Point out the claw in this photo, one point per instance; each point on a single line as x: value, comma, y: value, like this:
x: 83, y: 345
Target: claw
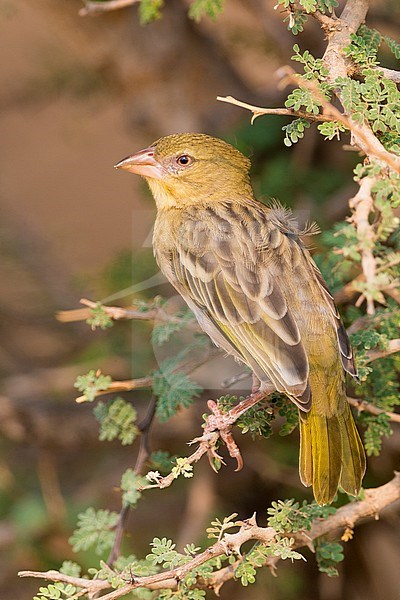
x: 219, y: 423
x: 213, y: 455
x: 233, y: 449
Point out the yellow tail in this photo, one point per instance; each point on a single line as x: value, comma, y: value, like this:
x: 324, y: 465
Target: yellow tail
x: 331, y: 451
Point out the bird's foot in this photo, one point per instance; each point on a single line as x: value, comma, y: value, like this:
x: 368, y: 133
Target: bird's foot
x: 221, y: 422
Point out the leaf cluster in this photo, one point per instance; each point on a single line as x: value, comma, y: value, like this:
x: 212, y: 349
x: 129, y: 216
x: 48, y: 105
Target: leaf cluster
x: 117, y: 420
x: 328, y: 555
x: 151, y: 10
x: 162, y: 332
x: 95, y: 530
x: 288, y: 516
x: 91, y: 383
x: 280, y: 547
x: 173, y: 388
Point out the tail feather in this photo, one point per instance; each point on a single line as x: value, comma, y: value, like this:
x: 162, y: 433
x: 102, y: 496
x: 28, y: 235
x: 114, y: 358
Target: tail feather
x: 331, y: 453
x: 353, y: 455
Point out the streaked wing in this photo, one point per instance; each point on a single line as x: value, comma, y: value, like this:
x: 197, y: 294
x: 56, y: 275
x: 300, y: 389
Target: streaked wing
x: 230, y: 262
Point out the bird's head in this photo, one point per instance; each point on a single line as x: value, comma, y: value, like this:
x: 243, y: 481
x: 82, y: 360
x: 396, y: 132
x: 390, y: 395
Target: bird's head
x: 189, y: 168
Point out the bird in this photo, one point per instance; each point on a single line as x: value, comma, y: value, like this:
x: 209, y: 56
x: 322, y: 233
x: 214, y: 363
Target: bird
x: 244, y: 271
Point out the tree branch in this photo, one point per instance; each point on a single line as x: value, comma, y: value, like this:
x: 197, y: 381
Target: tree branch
x: 353, y: 15
x: 363, y: 405
x: 389, y: 73
x: 121, y: 386
x: 258, y: 111
x: 116, y: 313
x: 346, y: 517
x: 362, y: 205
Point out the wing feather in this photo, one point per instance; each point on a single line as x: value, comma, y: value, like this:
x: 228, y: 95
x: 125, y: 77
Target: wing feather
x: 236, y: 279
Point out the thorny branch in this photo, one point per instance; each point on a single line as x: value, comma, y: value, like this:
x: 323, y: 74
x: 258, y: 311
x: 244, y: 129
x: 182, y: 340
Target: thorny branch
x: 346, y: 517
x: 362, y: 205
x: 362, y: 135
x: 258, y: 111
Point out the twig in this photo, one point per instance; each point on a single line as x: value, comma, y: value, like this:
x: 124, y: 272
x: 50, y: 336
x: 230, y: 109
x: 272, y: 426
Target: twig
x: 362, y: 205
x: 389, y: 73
x: 217, y: 425
x: 118, y: 312
x: 392, y: 347
x: 362, y: 405
x: 92, y: 7
x: 143, y: 454
x: 259, y: 111
x: 347, y: 516
x: 121, y: 386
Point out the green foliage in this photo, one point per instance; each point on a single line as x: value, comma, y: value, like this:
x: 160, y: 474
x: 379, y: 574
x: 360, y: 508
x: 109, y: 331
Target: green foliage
x: 56, y: 591
x: 377, y: 427
x: 257, y: 420
x: 201, y: 8
x: 331, y: 129
x: 314, y: 68
x: 121, y: 572
x: 302, y: 98
x: 117, y: 420
x: 161, y: 460
x: 363, y: 341
x: 150, y: 10
x: 95, y: 529
x: 379, y: 385
x: 327, y: 5
x: 288, y: 516
x: 328, y: 555
x: 294, y: 131
x: 182, y: 467
x: 393, y: 45
x: 362, y: 50
x: 163, y: 331
x: 173, y: 388
x: 131, y: 484
x: 219, y: 528
x: 70, y: 568
x: 296, y: 21
x: 91, y: 383
x: 288, y: 411
x: 376, y: 99
x: 99, y: 317
x: 163, y: 553
x: 298, y: 11
x: 259, y: 555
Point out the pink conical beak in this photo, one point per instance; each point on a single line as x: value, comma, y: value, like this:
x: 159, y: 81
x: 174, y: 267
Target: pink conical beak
x: 142, y: 163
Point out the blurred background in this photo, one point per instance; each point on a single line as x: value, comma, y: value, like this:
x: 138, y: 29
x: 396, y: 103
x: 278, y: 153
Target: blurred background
x: 77, y: 95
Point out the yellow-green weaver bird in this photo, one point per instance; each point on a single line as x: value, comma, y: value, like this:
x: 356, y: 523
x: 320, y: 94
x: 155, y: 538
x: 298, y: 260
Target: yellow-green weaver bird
x: 255, y: 290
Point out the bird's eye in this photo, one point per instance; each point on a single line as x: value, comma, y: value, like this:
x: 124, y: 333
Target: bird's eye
x: 184, y: 160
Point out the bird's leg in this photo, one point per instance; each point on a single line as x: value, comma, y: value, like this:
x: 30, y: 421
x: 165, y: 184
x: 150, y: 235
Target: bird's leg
x: 222, y: 422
